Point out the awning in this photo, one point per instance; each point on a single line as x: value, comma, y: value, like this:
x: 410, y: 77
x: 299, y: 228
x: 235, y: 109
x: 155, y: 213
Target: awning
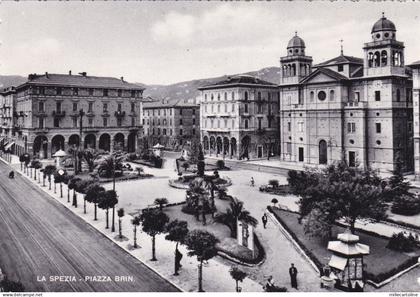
x: 9, y: 146
x: 338, y: 262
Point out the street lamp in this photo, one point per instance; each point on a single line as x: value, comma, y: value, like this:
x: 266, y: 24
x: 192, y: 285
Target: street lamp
x: 61, y: 173
x: 76, y: 157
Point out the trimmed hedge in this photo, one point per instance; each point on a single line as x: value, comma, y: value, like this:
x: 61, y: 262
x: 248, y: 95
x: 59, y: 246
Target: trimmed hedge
x: 385, y: 275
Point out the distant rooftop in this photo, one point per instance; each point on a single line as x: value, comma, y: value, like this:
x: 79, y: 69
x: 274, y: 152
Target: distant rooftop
x: 246, y: 80
x: 80, y: 80
x: 165, y: 103
x: 342, y: 59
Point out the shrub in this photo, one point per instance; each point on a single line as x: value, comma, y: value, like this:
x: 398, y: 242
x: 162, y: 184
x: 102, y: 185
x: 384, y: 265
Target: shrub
x: 131, y: 156
x: 220, y: 164
x: 406, y: 205
x: 402, y: 243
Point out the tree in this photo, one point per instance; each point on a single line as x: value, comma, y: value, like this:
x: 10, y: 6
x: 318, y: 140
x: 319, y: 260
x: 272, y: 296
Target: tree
x: 136, y: 222
x: 22, y: 159
x: 48, y: 171
x: 27, y: 161
x: 154, y: 222
x: 177, y: 231
x: 36, y: 164
x: 82, y: 187
x: 406, y: 205
x: 185, y: 166
x: 72, y: 184
x: 107, y: 199
x: 59, y: 179
x: 233, y: 214
x: 399, y: 187
x: 274, y: 201
x: 238, y: 275
x: 316, y: 225
x: 202, y: 244
x: 194, y: 152
x: 220, y: 164
x: 161, y: 202
x: 109, y: 165
x: 200, y: 164
x: 120, y: 214
x: 273, y: 183
x: 343, y: 192
x: 93, y: 195
x: 90, y: 155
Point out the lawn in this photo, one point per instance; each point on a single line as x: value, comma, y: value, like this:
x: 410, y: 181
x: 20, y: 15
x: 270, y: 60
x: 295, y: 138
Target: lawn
x: 380, y: 262
x: 222, y: 232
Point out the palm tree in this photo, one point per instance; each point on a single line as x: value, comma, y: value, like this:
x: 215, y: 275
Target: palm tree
x: 48, y: 171
x: 161, y: 202
x: 233, y: 214
x: 108, y: 199
x: 238, y: 275
x: 177, y: 231
x: 120, y: 214
x: 93, y: 194
x: 202, y: 244
x: 154, y: 222
x: 90, y: 155
x: 136, y: 222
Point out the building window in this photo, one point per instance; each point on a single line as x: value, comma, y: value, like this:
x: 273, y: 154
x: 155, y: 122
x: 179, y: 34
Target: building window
x: 58, y: 91
x: 170, y: 132
x: 193, y: 131
x: 259, y: 96
x: 180, y: 111
x: 193, y: 111
x: 75, y: 91
x: 398, y: 95
x: 41, y: 106
x: 90, y: 92
x: 357, y: 96
x: 259, y: 123
x: 119, y: 107
x: 259, y: 108
x: 180, y: 132
x: 246, y: 108
x: 58, y: 107
x: 180, y: 122
x: 143, y: 121
x: 289, y: 147
x: 226, y: 107
x: 105, y: 93
x: 377, y: 95
x: 133, y: 94
x: 74, y: 122
x: 378, y: 127
x: 158, y: 122
x: 211, y: 97
x: 41, y: 123
x: 233, y: 107
x: 119, y: 92
x: 289, y: 126
x: 311, y: 96
x: 105, y: 107
x: 246, y: 124
x: 56, y: 122
x: 218, y: 97
x: 41, y: 90
x: 233, y: 96
x: 205, y: 97
x: 225, y: 96
x: 332, y: 95
x: 158, y: 131
x: 74, y: 106
x: 246, y: 96
x: 90, y: 122
x: 218, y: 123
x: 322, y: 95
x: 193, y: 121
x: 164, y: 131
x: 105, y: 122
x: 351, y: 127
x: 90, y: 108
x: 300, y: 126
x: 340, y: 68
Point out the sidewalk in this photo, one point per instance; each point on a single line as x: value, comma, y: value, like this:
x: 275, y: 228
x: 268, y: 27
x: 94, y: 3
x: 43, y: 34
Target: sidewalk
x: 216, y: 276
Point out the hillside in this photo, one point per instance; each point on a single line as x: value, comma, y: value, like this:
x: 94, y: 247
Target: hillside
x: 188, y: 89
x: 181, y: 90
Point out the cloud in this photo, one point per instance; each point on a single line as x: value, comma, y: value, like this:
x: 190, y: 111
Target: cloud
x: 175, y: 27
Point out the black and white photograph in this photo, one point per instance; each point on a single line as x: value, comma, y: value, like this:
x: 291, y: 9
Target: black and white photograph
x: 218, y: 146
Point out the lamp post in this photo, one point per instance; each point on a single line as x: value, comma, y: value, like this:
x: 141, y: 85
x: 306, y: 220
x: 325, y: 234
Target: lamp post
x: 61, y: 173
x: 81, y: 114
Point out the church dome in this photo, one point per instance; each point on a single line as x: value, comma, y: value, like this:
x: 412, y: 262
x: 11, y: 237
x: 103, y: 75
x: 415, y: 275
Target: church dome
x: 383, y: 24
x: 296, y: 41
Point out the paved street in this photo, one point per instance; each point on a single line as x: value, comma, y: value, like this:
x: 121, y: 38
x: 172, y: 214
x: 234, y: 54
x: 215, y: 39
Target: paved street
x: 39, y: 238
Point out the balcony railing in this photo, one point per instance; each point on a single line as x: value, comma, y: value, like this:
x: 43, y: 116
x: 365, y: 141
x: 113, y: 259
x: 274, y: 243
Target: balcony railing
x: 105, y: 113
x: 119, y: 114
x: 59, y: 113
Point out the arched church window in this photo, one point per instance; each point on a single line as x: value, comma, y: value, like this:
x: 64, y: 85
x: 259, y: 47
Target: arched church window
x: 311, y: 96
x: 293, y: 69
x: 332, y: 95
x: 218, y: 97
x: 225, y: 96
x: 246, y: 95
x: 233, y: 96
x: 370, y: 59
x: 376, y: 59
x: 384, y: 58
x: 259, y: 95
x: 212, y: 97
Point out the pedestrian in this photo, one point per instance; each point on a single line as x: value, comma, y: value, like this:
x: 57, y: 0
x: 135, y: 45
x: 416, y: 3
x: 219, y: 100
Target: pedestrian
x: 252, y: 182
x: 293, y: 276
x: 264, y: 220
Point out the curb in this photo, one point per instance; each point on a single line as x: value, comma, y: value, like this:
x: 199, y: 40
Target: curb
x: 103, y: 234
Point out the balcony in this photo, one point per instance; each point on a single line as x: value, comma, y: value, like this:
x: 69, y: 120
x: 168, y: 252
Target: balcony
x: 355, y: 104
x: 119, y: 114
x: 89, y: 114
x: 105, y: 114
x: 41, y: 114
x: 59, y: 114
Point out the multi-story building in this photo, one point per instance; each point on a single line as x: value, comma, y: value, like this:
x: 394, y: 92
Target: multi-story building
x: 416, y: 116
x: 239, y: 118
x: 8, y: 128
x: 171, y: 124
x: 357, y: 110
x: 57, y: 111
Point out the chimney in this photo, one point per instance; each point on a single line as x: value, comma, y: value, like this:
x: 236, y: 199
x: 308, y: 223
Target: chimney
x: 83, y: 73
x: 122, y: 78
x: 46, y: 74
x: 69, y: 72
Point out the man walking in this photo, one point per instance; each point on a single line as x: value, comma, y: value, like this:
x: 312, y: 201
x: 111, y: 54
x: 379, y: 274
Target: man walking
x: 264, y: 220
x: 293, y: 276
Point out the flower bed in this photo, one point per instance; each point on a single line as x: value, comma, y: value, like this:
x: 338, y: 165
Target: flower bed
x: 382, y: 262
x: 281, y: 190
x: 184, y: 181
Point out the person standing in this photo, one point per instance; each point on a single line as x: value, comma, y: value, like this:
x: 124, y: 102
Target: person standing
x: 252, y: 181
x: 264, y: 220
x: 293, y: 276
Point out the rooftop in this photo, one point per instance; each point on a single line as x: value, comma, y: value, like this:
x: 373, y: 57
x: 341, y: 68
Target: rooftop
x: 81, y: 80
x: 342, y: 59
x: 239, y: 80
x: 168, y: 103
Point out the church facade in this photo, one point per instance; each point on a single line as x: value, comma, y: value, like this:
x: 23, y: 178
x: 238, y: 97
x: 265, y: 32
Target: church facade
x: 354, y: 109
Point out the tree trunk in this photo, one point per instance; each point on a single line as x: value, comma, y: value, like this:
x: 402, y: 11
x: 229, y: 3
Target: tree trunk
x: 39, y: 177
x: 74, y: 198
x: 35, y: 174
x: 21, y: 166
x: 113, y: 219
x: 119, y: 227
x: 200, y: 276
x: 61, y: 190
x: 95, y: 218
x: 31, y: 172
x: 154, y: 248
x: 107, y: 223
x: 176, y: 249
x: 55, y: 187
x: 43, y: 181
x: 135, y: 237
x: 84, y: 204
x: 237, y: 286
x: 68, y: 194
x: 49, y: 183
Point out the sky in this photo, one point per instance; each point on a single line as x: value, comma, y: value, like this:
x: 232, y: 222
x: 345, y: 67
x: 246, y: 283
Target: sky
x: 168, y: 42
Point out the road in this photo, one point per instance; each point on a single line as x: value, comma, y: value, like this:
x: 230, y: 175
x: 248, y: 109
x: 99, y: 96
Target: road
x: 41, y: 238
